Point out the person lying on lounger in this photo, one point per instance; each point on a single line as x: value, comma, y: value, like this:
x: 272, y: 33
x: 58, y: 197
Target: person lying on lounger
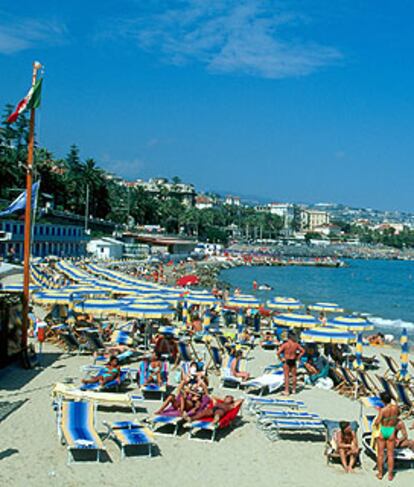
x: 347, y: 446
x: 109, y: 373
x: 154, y: 371
x: 218, y: 409
x: 269, y: 338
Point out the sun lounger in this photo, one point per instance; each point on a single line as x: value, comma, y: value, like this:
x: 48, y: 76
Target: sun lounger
x: 164, y: 424
x: 392, y: 366
x: 265, y: 383
x: 254, y: 403
x: 71, y: 342
x: 296, y: 426
x: 130, y: 435
x: 266, y: 419
x: 76, y: 428
x: 152, y: 391
x: 210, y: 426
x: 113, y: 385
x: 402, y: 456
x: 405, y: 398
x: 63, y: 391
x: 388, y: 387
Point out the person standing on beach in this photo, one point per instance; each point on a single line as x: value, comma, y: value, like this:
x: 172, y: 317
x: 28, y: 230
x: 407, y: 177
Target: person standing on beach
x: 289, y: 353
x: 387, y: 421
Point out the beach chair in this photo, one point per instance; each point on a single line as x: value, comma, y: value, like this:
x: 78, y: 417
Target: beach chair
x: 126, y: 400
x: 70, y: 341
x: 166, y: 424
x: 270, y: 383
x: 208, y: 425
x: 387, y: 386
x: 367, y: 384
x: 351, y: 383
x: 266, y: 417
x: 152, y: 391
x: 114, y: 385
x: 255, y: 403
x: 216, y: 359
x: 228, y: 380
x: 76, y: 429
x: 392, y: 366
x: 405, y: 399
x: 331, y: 447
x: 296, y: 426
x: 187, y: 352
x: 93, y: 339
x: 130, y: 435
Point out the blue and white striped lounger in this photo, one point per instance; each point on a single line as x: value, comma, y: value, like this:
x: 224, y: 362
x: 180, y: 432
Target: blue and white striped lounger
x: 255, y: 402
x: 294, y: 426
x: 76, y: 426
x: 130, y: 434
x: 161, y: 421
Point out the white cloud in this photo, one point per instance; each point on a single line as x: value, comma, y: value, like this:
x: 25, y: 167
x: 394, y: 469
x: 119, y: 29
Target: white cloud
x: 248, y: 36
x: 18, y: 34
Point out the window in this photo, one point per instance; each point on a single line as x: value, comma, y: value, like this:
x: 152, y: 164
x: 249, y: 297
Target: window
x: 40, y: 230
x: 58, y: 232
x: 14, y: 228
x: 63, y: 232
x: 46, y: 230
x: 7, y: 227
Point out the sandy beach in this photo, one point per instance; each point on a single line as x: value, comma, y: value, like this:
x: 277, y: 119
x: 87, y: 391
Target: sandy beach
x: 30, y: 453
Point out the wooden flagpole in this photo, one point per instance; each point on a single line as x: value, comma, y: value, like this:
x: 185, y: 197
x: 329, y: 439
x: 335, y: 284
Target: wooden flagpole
x: 27, y: 219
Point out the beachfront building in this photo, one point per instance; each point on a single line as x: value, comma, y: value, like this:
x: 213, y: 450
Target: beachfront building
x: 105, y: 248
x: 284, y: 210
x: 162, y: 187
x: 311, y: 219
x: 203, y: 202
x: 390, y: 227
x: 232, y: 200
x: 48, y: 239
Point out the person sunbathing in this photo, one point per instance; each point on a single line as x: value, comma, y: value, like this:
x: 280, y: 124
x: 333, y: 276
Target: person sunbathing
x: 269, y: 338
x: 174, y: 402
x: 347, y: 446
x: 403, y: 441
x: 109, y: 373
x: 235, y: 366
x: 218, y: 408
x: 154, y: 371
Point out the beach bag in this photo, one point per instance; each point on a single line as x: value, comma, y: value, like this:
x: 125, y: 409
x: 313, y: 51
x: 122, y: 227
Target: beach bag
x: 324, y: 383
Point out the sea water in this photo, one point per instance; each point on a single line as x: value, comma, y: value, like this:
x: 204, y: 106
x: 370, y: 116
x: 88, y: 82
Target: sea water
x: 384, y: 290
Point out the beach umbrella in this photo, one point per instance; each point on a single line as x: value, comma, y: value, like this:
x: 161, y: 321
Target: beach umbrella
x: 136, y: 311
x: 284, y: 303
x: 403, y: 374
x: 358, y: 352
x: 202, y: 299
x: 351, y: 323
x: 326, y: 334
x: 326, y: 307
x: 296, y: 320
x: 243, y: 301
x: 98, y: 306
x: 52, y: 297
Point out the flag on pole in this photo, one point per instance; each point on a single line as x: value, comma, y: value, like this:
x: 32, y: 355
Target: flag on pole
x: 31, y: 100
x: 19, y: 204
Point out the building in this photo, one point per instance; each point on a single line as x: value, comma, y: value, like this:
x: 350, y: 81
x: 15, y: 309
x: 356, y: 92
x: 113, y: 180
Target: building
x: 284, y: 210
x: 158, y: 187
x: 48, y: 239
x: 385, y: 227
x: 232, y: 200
x: 106, y: 248
x: 311, y: 219
x: 203, y: 202
x: 163, y: 245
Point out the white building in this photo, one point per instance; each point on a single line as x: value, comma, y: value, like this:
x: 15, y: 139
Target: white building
x: 105, y: 248
x: 203, y: 202
x: 284, y: 210
x: 232, y: 200
x: 311, y: 219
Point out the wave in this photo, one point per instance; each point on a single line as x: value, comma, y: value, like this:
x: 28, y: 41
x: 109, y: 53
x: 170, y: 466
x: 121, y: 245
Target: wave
x: 388, y: 323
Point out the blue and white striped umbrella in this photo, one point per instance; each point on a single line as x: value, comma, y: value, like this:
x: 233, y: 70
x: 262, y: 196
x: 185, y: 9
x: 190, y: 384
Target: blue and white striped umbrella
x: 284, y: 303
x: 403, y: 375
x: 358, y: 352
x: 326, y: 307
x: 326, y: 334
x: 136, y: 311
x: 243, y: 301
x: 351, y: 323
x: 293, y: 320
x: 202, y: 299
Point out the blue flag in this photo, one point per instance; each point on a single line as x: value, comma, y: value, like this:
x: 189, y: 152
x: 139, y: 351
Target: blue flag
x: 19, y: 204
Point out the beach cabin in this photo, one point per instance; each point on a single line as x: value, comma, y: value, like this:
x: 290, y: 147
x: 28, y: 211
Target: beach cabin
x: 105, y: 248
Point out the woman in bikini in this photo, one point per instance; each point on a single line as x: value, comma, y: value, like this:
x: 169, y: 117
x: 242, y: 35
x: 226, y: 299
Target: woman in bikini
x: 154, y: 371
x: 387, y: 420
x: 109, y: 373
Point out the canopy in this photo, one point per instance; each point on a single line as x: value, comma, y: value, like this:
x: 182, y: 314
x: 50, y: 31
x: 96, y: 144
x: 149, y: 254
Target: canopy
x: 327, y: 307
x: 296, y: 320
x: 98, y: 306
x: 326, y: 334
x: 206, y: 299
x: 351, y: 323
x: 404, y: 355
x: 136, y: 311
x: 284, y: 303
x: 243, y: 301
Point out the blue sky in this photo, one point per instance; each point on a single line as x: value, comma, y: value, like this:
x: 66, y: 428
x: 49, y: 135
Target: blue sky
x: 308, y: 100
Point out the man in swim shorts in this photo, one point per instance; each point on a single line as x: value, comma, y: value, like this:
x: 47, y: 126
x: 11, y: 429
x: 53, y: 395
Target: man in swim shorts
x: 289, y: 353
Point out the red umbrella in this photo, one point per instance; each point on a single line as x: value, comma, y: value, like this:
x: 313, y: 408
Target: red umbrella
x: 188, y: 280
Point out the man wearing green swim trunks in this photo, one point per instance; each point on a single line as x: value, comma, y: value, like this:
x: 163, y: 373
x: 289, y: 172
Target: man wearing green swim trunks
x: 387, y: 420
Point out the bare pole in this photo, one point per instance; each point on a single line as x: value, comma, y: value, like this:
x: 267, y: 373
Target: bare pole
x: 27, y: 218
x: 87, y: 209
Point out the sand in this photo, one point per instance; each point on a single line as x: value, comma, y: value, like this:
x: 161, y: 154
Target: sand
x: 31, y: 454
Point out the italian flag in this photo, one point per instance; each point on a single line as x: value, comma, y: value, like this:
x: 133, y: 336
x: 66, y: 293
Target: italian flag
x: 31, y: 100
